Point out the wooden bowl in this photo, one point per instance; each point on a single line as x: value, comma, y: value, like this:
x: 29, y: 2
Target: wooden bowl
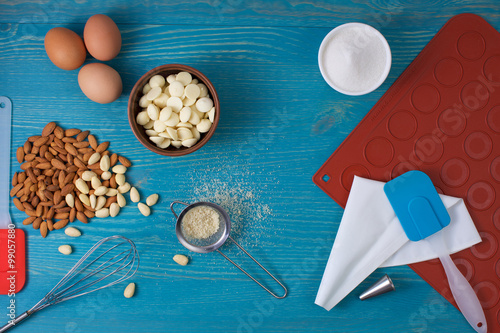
x: 134, y: 109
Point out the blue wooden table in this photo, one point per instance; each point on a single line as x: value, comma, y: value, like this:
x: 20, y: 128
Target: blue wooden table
x: 279, y: 122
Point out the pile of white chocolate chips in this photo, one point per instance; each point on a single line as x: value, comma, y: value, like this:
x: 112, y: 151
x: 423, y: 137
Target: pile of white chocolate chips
x: 175, y: 110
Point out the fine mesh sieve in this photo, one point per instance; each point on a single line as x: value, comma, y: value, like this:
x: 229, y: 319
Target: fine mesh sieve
x: 215, y: 241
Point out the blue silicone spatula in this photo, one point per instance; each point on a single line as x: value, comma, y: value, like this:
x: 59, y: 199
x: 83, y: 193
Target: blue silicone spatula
x: 422, y: 214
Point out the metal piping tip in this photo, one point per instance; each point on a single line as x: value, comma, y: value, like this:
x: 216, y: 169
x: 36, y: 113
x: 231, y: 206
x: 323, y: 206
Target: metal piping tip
x: 383, y: 285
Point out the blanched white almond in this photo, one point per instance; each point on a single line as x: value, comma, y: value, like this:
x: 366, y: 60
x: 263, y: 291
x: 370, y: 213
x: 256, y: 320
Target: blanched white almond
x: 120, y: 199
x: 82, y: 186
x: 95, y: 182
x: 84, y: 199
x: 70, y: 200
x: 103, y: 212
x: 88, y: 175
x: 119, y: 169
x: 124, y: 188
x: 65, y: 249
x: 106, y: 175
x: 93, y: 201
x: 120, y: 179
x: 105, y: 163
x: 101, y: 190
x: 181, y: 259
x: 129, y: 290
x: 144, y: 209
x: 72, y: 232
x: 134, y: 195
x: 94, y: 158
x: 152, y: 200
x: 101, y: 201
x: 111, y: 192
x: 114, y: 209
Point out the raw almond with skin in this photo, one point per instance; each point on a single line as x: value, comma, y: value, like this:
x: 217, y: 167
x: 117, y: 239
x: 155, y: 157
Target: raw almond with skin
x: 20, y: 154
x: 125, y: 161
x: 49, y: 128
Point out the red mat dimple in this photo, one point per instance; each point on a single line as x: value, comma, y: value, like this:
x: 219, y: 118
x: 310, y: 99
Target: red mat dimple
x: 441, y: 116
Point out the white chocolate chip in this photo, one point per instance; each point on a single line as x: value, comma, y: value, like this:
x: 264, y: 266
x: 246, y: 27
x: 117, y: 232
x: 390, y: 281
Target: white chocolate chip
x: 185, y: 114
x: 204, y: 104
x: 65, y: 249
x: 186, y: 125
x: 153, y: 93
x: 144, y: 102
x: 144, y: 209
x: 142, y: 119
x: 194, y: 119
x: 173, y: 120
x: 192, y: 91
x: 149, y: 125
x: 151, y: 133
x: 175, y: 103
x: 184, y: 77
x: 164, y: 144
x: 159, y: 126
x: 72, y: 232
x: 156, y: 139
x: 176, y: 89
x: 184, y: 134
x: 176, y: 143
x: 161, y: 101
x: 203, y: 90
x: 196, y: 133
x: 211, y: 114
x: 146, y: 88
x: 189, y: 142
x: 171, y: 78
x: 165, y: 113
x: 157, y: 81
x: 153, y: 112
x: 204, y: 126
x: 172, y: 132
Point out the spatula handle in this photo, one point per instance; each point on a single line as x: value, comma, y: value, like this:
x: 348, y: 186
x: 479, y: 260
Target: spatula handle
x: 464, y: 295
x: 5, y: 123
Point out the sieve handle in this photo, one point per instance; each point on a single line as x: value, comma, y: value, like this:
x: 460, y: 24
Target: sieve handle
x: 250, y: 276
x: 172, y: 207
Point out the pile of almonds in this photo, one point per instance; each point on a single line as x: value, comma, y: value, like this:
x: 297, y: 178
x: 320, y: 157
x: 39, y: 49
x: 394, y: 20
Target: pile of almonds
x: 66, y: 176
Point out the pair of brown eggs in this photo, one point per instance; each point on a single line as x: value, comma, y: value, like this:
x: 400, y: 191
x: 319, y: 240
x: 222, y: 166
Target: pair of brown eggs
x: 102, y: 39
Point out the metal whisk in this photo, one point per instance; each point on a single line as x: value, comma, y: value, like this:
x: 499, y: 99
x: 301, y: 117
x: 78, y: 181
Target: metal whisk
x: 110, y: 261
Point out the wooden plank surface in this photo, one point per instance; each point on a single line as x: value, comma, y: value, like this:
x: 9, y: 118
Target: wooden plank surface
x: 279, y: 122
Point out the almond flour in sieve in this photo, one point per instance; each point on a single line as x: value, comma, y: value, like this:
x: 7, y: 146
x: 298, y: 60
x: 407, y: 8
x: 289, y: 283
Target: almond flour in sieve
x: 201, y: 222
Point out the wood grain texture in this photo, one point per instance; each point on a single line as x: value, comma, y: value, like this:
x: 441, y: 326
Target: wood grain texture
x: 279, y: 122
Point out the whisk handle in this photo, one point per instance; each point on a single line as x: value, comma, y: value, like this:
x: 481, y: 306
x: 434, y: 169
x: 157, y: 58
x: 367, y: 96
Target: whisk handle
x: 14, y: 322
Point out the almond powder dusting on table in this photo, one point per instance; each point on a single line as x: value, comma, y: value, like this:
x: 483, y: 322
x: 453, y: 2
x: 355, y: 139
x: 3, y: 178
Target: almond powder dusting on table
x: 201, y: 222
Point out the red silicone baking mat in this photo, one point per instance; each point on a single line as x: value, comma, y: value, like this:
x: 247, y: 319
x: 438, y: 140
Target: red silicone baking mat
x: 441, y: 116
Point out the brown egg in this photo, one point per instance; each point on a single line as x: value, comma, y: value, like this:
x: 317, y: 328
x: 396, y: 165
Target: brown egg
x: 102, y: 37
x: 65, y: 48
x: 100, y: 83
